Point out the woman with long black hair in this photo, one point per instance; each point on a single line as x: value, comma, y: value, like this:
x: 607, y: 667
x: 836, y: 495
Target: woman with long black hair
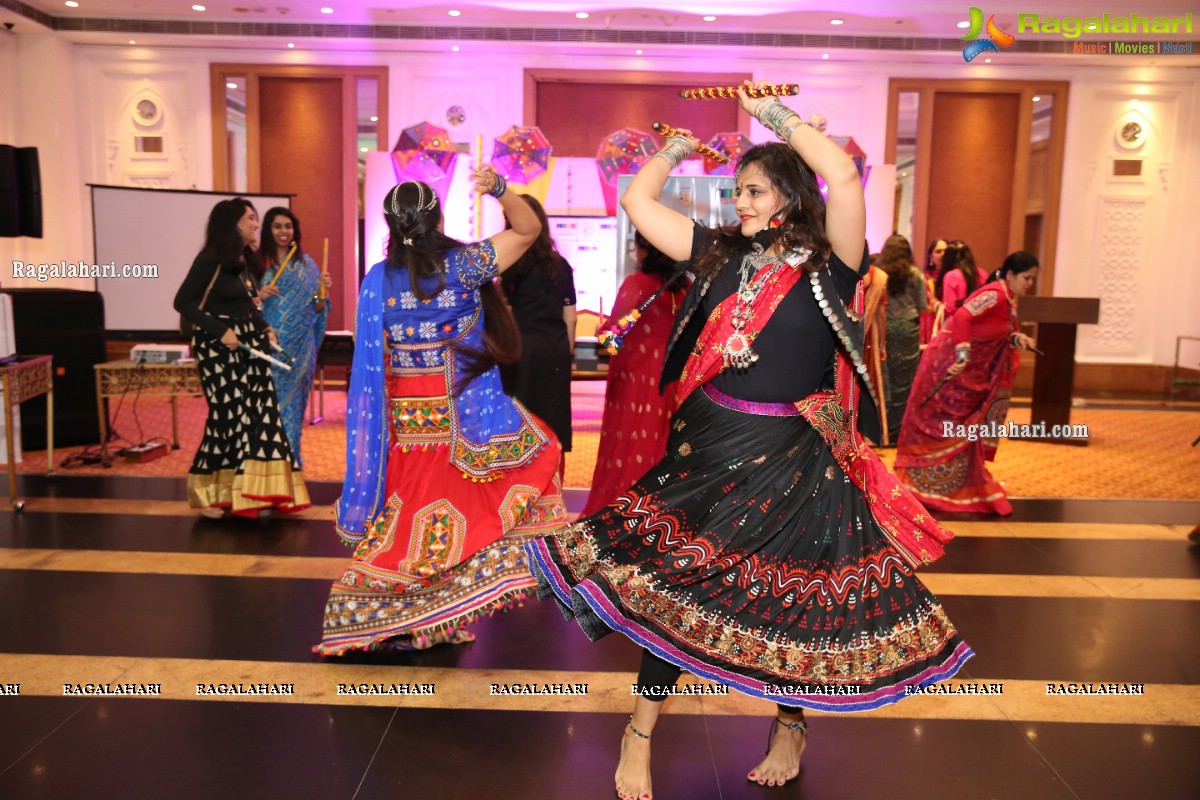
x: 244, y: 464
x: 446, y: 476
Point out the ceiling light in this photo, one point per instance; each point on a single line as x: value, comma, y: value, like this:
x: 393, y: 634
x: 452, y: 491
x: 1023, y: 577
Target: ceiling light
x: 374, y: 119
x: 1036, y: 99
x: 987, y: 61
x: 710, y: 18
x: 326, y: 10
x: 964, y: 24
x: 133, y: 41
x: 231, y: 86
x: 454, y: 48
x: 362, y: 149
x: 581, y: 15
x: 837, y: 22
x: 197, y: 8
x: 454, y: 12
x: 291, y: 44
x: 825, y: 55
x: 71, y: 4
x: 637, y: 52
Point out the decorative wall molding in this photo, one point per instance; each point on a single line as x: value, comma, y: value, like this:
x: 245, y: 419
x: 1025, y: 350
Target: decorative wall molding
x: 1120, y: 242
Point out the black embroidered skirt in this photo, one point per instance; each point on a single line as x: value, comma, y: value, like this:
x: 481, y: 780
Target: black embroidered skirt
x: 746, y: 556
x: 245, y: 462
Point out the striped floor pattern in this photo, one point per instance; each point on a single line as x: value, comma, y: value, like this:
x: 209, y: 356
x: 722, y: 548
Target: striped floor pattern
x: 127, y: 620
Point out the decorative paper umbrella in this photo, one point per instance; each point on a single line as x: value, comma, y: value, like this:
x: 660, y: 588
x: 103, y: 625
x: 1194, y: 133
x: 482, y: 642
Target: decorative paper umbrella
x: 732, y: 145
x: 424, y: 152
x: 521, y: 154
x: 623, y: 152
x: 856, y: 153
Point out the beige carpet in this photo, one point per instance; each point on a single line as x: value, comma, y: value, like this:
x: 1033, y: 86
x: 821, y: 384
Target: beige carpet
x: 1131, y: 454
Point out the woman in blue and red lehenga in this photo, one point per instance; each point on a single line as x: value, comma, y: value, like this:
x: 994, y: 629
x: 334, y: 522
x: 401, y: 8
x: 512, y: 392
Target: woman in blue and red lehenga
x: 770, y: 550
x: 447, y: 477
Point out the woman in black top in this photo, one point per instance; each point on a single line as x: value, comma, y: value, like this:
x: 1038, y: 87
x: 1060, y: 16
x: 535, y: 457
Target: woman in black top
x: 541, y: 290
x: 769, y: 550
x: 244, y: 464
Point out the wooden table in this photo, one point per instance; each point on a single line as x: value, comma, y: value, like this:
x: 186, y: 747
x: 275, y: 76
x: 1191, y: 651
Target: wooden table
x: 118, y: 378
x: 23, y: 379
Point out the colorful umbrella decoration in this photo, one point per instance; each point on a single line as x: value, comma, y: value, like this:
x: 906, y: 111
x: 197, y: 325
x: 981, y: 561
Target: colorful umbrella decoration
x: 732, y: 145
x: 521, y: 154
x: 622, y: 152
x: 424, y: 152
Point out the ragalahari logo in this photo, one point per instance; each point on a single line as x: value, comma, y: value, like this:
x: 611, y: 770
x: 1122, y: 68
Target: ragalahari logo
x: 996, y: 36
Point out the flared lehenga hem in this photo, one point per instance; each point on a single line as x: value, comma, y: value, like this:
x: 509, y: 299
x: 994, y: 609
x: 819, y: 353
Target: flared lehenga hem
x: 597, y: 614
x: 257, y: 486
x: 747, y: 556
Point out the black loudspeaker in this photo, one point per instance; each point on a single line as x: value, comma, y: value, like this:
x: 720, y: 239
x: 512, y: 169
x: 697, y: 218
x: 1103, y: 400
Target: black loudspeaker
x: 29, y: 185
x: 68, y: 325
x: 10, y: 194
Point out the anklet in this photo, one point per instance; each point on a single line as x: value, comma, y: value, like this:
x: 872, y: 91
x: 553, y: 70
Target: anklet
x: 638, y: 733
x: 801, y: 726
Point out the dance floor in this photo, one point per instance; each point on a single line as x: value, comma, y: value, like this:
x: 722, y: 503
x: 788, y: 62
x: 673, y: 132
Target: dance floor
x: 110, y: 580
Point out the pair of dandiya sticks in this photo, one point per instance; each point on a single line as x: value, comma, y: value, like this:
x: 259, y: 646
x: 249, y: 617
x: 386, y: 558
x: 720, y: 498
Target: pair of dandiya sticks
x: 725, y: 93
x: 287, y: 262
x: 612, y: 338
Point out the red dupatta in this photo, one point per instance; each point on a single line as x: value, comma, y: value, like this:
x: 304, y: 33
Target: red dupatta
x: 906, y: 523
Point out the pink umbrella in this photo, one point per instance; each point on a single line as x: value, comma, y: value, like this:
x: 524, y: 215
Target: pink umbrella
x: 424, y: 152
x: 732, y: 145
x: 521, y: 154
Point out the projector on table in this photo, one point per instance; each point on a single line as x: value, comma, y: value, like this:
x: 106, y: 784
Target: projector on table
x: 158, y: 353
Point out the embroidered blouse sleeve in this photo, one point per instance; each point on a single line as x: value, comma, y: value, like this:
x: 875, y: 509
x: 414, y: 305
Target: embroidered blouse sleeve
x: 476, y: 263
x: 974, y: 309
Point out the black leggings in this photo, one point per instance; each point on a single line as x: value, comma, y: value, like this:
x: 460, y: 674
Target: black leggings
x: 656, y: 677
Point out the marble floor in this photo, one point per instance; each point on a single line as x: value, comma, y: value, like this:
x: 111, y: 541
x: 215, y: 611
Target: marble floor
x: 113, y: 581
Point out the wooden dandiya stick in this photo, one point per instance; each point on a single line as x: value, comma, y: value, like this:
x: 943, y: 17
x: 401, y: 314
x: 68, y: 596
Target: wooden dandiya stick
x: 324, y: 270
x: 478, y: 196
x: 722, y: 92
x: 702, y: 149
x: 283, y: 266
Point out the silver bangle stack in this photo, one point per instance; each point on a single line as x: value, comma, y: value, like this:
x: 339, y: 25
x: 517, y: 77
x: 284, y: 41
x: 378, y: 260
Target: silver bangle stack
x: 780, y: 119
x: 674, y: 151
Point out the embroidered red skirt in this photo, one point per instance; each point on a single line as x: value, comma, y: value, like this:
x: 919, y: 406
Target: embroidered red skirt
x: 748, y: 557
x: 446, y: 549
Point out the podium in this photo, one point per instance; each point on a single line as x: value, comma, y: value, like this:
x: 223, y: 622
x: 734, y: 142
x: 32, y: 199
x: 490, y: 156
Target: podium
x: 1054, y: 372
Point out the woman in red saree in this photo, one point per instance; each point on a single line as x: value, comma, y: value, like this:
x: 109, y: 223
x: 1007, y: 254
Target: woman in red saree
x: 965, y: 379
x: 637, y: 417
x: 770, y: 550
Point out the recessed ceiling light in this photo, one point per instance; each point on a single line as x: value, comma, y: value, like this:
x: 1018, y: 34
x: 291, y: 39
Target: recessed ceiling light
x: 326, y: 10
x: 837, y: 22
x: 987, y: 61
x: 231, y: 85
x: 454, y: 48
x: 825, y: 55
x: 1037, y: 99
x: 362, y: 149
x: 374, y: 119
x: 133, y: 41
x: 291, y: 44
x: 710, y: 18
x: 964, y: 24
x: 71, y: 4
x: 581, y: 15
x: 454, y: 12
x: 198, y: 8
x: 637, y: 52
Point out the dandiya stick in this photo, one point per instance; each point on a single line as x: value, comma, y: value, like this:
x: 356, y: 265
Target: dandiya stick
x: 722, y: 92
x: 478, y: 197
x: 702, y: 149
x: 287, y: 261
x: 324, y: 270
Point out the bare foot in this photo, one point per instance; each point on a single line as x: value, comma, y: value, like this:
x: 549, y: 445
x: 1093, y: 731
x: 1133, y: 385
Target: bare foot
x: 782, y: 763
x: 633, y: 770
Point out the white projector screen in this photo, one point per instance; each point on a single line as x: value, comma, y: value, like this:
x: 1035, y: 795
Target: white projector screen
x: 164, y: 227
